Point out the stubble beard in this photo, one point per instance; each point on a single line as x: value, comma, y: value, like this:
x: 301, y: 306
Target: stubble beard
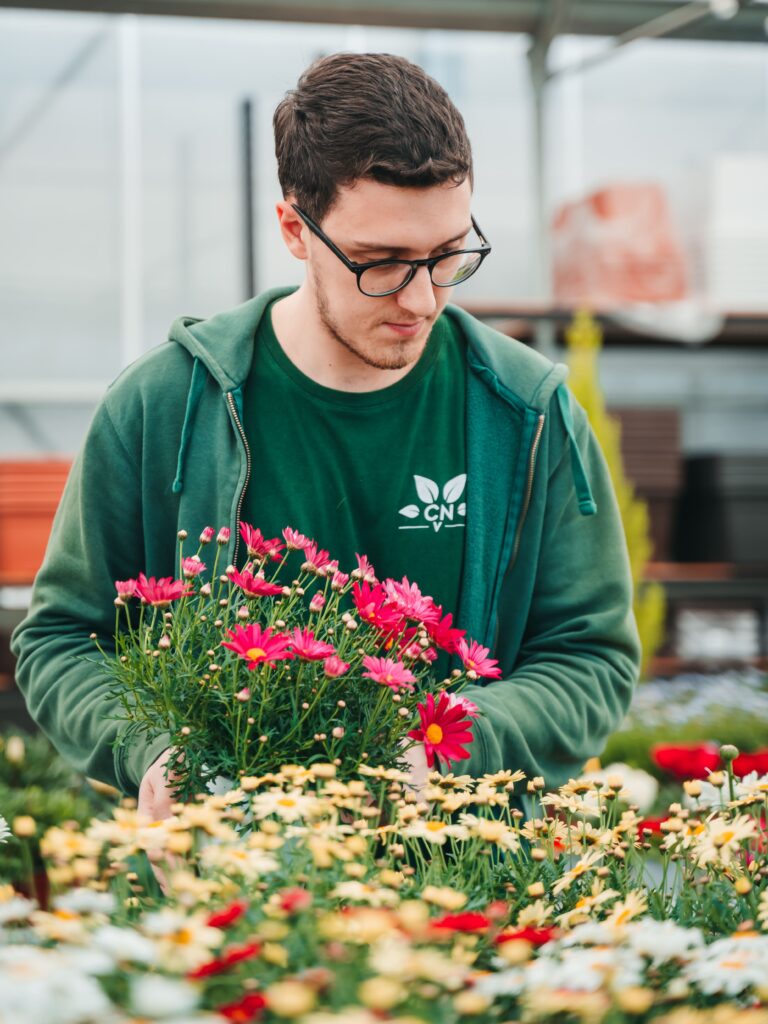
x: 396, y: 357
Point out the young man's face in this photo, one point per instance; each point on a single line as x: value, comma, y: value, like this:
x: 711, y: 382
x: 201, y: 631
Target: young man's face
x: 371, y: 221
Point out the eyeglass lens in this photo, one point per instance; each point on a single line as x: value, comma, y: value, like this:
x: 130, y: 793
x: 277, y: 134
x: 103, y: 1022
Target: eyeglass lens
x: 390, y: 276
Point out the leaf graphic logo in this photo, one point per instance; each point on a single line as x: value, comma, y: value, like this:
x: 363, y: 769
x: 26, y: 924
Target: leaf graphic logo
x: 436, y: 510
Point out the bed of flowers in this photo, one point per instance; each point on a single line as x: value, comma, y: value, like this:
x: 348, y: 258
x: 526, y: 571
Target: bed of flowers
x: 299, y: 896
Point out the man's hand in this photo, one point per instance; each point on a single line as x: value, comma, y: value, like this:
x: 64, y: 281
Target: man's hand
x: 417, y: 761
x: 156, y: 793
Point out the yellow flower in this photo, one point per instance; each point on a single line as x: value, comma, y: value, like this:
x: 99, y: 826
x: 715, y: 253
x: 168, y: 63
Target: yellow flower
x: 470, y: 1003
x: 624, y: 910
x: 24, y: 826
x: 381, y: 993
x: 290, y: 998
x: 274, y: 953
x: 435, y: 831
x: 448, y: 899
x: 587, y: 863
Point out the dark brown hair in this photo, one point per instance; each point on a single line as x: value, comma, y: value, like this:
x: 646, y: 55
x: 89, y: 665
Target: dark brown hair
x: 366, y: 115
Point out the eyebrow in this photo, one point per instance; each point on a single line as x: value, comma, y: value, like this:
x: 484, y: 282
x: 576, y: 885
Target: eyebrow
x: 379, y: 247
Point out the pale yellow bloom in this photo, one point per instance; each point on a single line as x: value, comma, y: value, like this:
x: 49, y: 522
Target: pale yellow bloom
x: 448, y: 899
x: 290, y: 998
x: 434, y: 831
x: 588, y: 862
x: 359, y: 892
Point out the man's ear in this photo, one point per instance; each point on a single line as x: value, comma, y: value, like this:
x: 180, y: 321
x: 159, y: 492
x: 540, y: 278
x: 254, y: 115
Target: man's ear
x: 292, y: 228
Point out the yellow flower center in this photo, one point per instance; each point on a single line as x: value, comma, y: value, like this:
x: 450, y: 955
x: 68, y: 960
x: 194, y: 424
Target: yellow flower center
x: 286, y: 802
x: 183, y: 937
x: 435, y: 826
x: 434, y: 733
x: 254, y: 653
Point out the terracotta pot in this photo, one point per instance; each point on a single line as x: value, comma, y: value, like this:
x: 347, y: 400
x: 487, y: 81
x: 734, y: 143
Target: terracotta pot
x: 30, y: 492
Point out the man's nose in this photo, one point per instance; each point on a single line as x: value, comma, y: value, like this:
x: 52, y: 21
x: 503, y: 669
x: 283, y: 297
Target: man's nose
x: 418, y: 296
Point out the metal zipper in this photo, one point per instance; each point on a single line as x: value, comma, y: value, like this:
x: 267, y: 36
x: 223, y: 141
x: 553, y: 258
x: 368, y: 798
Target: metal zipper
x: 244, y: 439
x: 529, y: 488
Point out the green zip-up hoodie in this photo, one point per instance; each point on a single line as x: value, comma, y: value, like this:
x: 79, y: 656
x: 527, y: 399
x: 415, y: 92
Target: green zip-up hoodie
x: 546, y: 581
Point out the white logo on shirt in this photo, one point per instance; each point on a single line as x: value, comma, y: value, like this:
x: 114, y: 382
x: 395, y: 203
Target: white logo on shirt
x: 436, y: 512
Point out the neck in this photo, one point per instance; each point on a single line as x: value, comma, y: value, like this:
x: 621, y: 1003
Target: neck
x: 316, y: 351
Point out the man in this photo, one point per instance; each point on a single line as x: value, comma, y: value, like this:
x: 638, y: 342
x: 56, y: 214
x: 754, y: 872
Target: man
x: 367, y: 413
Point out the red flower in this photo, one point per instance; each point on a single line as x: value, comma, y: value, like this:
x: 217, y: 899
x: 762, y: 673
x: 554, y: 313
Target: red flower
x: 443, y: 730
x: 160, y: 592
x: 244, y: 1010
x: 304, y: 645
x: 687, y: 760
x: 475, y: 659
x: 536, y: 936
x: 234, y: 955
x: 389, y: 672
x: 442, y: 633
x: 652, y: 825
x: 294, y: 900
x: 754, y: 762
x: 257, y: 646
x: 258, y: 546
x: 372, y: 607
x: 192, y: 567
x: 469, y: 921
x: 227, y: 916
x: 254, y: 585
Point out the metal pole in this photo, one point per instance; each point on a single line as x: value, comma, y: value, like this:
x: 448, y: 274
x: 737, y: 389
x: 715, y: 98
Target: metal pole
x: 131, y: 270
x: 249, y: 220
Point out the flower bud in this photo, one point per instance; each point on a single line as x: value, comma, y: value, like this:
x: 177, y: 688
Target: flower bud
x: 24, y: 826
x: 728, y: 752
x: 692, y: 787
x: 164, y: 642
x: 14, y: 749
x: 207, y: 535
x: 716, y: 779
x: 223, y: 536
x: 182, y: 534
x: 535, y: 890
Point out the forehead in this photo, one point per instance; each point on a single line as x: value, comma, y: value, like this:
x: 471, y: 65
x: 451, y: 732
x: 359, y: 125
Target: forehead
x: 389, y: 215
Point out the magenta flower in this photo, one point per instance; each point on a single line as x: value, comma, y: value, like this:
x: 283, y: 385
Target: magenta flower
x: 258, y: 546
x: 364, y: 570
x: 317, y: 603
x: 192, y: 567
x: 372, y: 607
x: 335, y: 667
x: 254, y: 585
x: 409, y: 599
x: 318, y: 561
x: 223, y: 535
x: 160, y: 592
x: 207, y: 535
x: 304, y: 646
x: 443, y: 633
x: 444, y: 730
x: 257, y: 646
x: 125, y: 588
x: 294, y: 540
x: 340, y: 580
x: 475, y: 659
x: 389, y: 672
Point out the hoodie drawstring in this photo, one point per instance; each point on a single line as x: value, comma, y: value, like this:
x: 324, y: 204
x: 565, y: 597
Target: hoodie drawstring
x: 196, y: 386
x: 587, y: 505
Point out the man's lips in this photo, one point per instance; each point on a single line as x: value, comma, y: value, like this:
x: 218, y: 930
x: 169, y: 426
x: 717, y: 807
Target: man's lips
x: 406, y: 330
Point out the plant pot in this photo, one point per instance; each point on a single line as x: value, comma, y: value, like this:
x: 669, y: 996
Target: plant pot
x: 30, y: 492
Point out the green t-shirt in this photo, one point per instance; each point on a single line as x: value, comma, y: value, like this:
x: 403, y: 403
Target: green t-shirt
x: 380, y: 473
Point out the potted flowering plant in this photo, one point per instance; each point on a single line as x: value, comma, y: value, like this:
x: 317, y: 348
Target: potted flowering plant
x: 247, y: 670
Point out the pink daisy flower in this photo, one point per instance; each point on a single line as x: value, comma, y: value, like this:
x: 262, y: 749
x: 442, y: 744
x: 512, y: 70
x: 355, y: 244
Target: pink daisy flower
x: 444, y: 730
x: 160, y: 592
x: 125, y: 588
x: 304, y: 646
x: 192, y: 567
x: 475, y: 659
x: 335, y: 667
x: 389, y: 672
x: 340, y: 580
x: 409, y: 599
x: 364, y: 570
x: 455, y: 700
x: 254, y: 585
x: 258, y: 546
x: 318, y: 561
x: 294, y: 540
x: 257, y: 646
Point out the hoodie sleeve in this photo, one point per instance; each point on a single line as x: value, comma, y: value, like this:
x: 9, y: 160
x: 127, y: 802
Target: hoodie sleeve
x: 96, y: 535
x: 579, y: 655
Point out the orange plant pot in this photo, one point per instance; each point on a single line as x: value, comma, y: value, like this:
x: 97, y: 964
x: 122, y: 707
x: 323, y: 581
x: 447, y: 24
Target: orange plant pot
x: 30, y: 492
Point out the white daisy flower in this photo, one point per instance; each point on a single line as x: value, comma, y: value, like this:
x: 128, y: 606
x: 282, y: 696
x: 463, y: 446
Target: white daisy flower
x: 153, y: 995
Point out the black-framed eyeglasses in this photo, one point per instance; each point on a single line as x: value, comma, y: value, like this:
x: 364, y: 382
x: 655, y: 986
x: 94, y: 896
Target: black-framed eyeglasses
x: 385, y: 277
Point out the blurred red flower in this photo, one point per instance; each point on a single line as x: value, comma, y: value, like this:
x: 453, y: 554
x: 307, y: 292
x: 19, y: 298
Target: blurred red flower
x: 687, y: 760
